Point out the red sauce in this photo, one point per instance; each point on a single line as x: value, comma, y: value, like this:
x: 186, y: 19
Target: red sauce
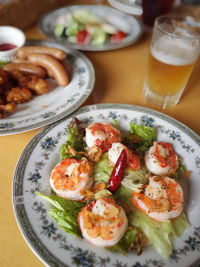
x: 7, y: 46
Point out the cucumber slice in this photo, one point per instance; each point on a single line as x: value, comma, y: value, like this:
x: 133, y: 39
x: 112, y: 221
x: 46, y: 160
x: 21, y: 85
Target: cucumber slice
x: 59, y: 30
x: 99, y: 37
x: 72, y: 29
x: 84, y: 16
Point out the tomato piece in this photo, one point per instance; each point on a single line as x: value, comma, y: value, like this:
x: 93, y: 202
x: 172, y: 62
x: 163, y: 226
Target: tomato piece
x: 118, y: 36
x: 82, y: 36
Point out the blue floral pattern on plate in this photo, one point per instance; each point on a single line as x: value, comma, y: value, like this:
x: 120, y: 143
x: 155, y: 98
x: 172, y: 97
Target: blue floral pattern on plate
x: 55, y: 247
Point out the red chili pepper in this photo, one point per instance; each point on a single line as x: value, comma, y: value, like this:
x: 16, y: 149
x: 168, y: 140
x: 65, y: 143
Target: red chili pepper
x: 118, y: 172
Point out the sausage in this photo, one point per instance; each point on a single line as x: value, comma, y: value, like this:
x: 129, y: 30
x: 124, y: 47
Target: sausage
x: 51, y: 64
x: 18, y: 60
x: 27, y: 68
x: 23, y: 52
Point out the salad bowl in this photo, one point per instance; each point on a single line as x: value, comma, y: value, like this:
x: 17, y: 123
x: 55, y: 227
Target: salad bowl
x: 55, y: 247
x: 96, y: 14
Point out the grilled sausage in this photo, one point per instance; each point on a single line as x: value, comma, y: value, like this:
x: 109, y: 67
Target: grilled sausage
x: 18, y: 60
x: 51, y: 64
x: 55, y: 52
x: 27, y: 68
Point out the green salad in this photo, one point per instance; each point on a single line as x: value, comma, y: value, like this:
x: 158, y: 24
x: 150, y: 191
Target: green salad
x: 108, y: 190
x: 81, y: 26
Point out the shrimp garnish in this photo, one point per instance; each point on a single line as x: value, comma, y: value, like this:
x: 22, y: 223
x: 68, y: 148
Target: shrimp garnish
x: 162, y: 198
x: 102, y: 135
x: 71, y: 176
x: 161, y: 159
x: 103, y: 222
x: 114, y: 152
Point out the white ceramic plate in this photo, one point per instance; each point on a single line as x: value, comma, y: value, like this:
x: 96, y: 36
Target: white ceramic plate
x: 59, y: 101
x: 56, y: 248
x: 115, y: 17
x: 132, y: 7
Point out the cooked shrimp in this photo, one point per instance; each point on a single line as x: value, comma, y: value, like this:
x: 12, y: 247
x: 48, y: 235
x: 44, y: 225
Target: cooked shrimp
x: 102, y: 135
x: 162, y: 199
x: 115, y: 151
x: 71, y: 176
x: 102, y: 222
x: 161, y: 159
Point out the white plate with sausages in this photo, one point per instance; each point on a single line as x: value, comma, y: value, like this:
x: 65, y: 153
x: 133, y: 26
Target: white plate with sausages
x: 63, y: 97
x: 122, y: 21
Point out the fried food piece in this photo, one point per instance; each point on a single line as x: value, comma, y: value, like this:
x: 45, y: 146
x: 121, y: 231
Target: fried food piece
x: 5, y: 87
x: 2, y: 99
x: 18, y: 95
x: 36, y: 84
x: 4, y: 76
x: 7, y: 109
x: 16, y: 74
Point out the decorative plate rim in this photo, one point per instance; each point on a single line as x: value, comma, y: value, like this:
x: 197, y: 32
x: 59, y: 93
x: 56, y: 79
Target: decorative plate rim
x: 47, y: 256
x: 63, y: 114
x: 106, y: 47
x: 133, y: 8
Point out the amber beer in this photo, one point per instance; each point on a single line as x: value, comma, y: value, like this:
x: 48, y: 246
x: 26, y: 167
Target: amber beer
x: 174, y: 50
x: 170, y: 64
x: 167, y: 79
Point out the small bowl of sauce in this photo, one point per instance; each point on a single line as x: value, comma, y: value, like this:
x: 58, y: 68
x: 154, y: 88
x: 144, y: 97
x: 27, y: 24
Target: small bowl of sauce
x: 7, y: 47
x: 11, y: 39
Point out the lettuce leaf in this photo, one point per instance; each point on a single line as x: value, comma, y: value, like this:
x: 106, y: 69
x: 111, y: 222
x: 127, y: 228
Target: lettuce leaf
x: 146, y: 134
x: 125, y: 244
x: 132, y: 178
x: 64, y: 212
x: 159, y: 234
x: 75, y: 139
x: 102, y: 169
x: 64, y: 221
x: 135, y: 179
x: 3, y: 63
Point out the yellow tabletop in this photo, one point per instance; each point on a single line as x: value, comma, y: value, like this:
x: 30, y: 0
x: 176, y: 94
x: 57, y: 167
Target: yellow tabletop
x: 119, y: 79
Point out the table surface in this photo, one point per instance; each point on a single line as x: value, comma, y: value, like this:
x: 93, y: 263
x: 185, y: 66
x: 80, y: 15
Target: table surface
x: 119, y: 79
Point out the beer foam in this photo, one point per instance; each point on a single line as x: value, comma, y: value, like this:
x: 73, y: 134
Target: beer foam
x: 174, y: 51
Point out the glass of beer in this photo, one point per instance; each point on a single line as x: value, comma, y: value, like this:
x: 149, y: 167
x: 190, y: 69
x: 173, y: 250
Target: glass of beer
x: 174, y: 50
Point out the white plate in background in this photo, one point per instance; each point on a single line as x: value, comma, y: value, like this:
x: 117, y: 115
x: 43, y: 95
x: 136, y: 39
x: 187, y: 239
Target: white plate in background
x: 112, y: 15
x: 132, y: 7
